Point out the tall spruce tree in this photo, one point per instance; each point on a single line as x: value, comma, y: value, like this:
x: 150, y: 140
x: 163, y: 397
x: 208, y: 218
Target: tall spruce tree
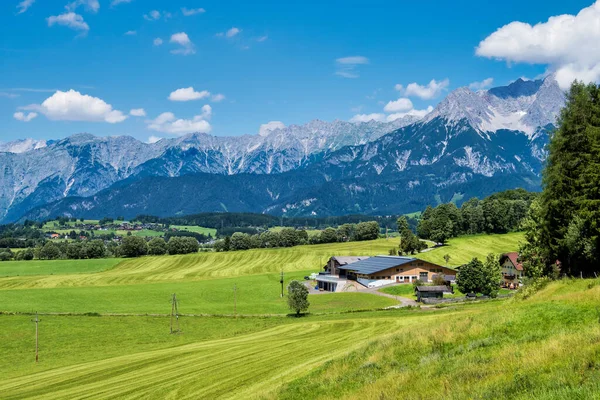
x: 570, y: 202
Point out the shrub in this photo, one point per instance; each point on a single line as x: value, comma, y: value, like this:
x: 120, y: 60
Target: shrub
x: 133, y: 246
x: 157, y: 247
x: 182, y: 245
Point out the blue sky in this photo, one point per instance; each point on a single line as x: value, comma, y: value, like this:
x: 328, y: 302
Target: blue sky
x: 251, y: 62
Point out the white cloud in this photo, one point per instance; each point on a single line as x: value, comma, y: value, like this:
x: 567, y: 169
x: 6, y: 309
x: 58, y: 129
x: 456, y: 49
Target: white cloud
x: 152, y: 15
x: 427, y: 92
x: 192, y: 11
x: 188, y: 94
x: 24, y: 117
x: 71, y: 20
x: 168, y: 123
x: 131, y: 33
x: 153, y: 139
x: 90, y: 5
x: 267, y: 128
x: 216, y: 98
x: 347, y: 66
x: 182, y: 39
x: 413, y: 112
x: 368, y: 117
x: 568, y: 44
x: 117, y: 2
x: 24, y: 6
x: 232, y: 32
x: 400, y: 105
x: 74, y: 106
x: 484, y: 84
x: 262, y: 38
x: 157, y: 41
x: 137, y: 112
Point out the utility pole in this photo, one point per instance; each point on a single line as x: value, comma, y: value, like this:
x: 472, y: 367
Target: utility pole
x: 36, y: 321
x: 174, y: 313
x: 235, y: 299
x: 281, y: 281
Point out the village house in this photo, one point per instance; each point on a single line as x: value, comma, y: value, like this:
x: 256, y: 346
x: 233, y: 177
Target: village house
x: 512, y: 270
x: 377, y: 271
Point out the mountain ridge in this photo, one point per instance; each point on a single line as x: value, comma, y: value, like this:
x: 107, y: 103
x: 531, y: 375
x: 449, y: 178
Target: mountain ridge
x: 469, y: 135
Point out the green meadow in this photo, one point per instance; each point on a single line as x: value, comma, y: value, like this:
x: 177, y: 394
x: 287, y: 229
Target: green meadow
x: 544, y: 347
x: 104, y: 332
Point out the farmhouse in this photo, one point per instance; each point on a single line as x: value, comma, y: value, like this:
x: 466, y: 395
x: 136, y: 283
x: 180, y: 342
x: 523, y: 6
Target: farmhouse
x: 378, y: 271
x: 512, y: 270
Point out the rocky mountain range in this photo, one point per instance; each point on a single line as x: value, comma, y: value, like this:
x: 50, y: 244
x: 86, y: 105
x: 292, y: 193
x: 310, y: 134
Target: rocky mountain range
x: 471, y: 144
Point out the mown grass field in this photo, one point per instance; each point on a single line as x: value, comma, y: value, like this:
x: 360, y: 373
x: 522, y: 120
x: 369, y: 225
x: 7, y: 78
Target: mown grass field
x: 56, y: 267
x: 329, y: 353
x: 545, y: 347
x: 463, y: 249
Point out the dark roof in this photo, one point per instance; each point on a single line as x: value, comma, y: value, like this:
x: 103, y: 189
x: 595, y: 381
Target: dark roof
x: 345, y: 260
x: 378, y: 263
x: 433, y: 289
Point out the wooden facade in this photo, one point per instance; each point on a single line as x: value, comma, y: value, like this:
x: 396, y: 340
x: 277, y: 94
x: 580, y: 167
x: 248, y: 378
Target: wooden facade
x: 410, y: 272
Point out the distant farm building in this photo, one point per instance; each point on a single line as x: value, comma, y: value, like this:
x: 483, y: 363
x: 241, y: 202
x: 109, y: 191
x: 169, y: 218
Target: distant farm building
x: 512, y: 269
x: 378, y: 271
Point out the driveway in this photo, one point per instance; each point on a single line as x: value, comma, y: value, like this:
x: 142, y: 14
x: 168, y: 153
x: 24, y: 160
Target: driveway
x: 402, y: 301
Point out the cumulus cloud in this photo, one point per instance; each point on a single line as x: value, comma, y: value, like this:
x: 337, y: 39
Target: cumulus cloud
x: 183, y: 40
x: 262, y: 38
x: 192, y: 11
x: 400, y: 105
x: 24, y: 6
x: 152, y: 15
x: 90, y: 5
x: 21, y: 116
x: 216, y: 98
x: 131, y: 33
x: 137, y: 112
x: 380, y: 117
x: 168, y: 123
x: 347, y: 66
x: 484, y: 84
x: 70, y: 20
x: 232, y: 32
x: 568, y: 44
x: 413, y: 113
x: 267, y: 128
x: 426, y: 92
x: 157, y: 41
x: 188, y: 94
x: 74, y: 106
